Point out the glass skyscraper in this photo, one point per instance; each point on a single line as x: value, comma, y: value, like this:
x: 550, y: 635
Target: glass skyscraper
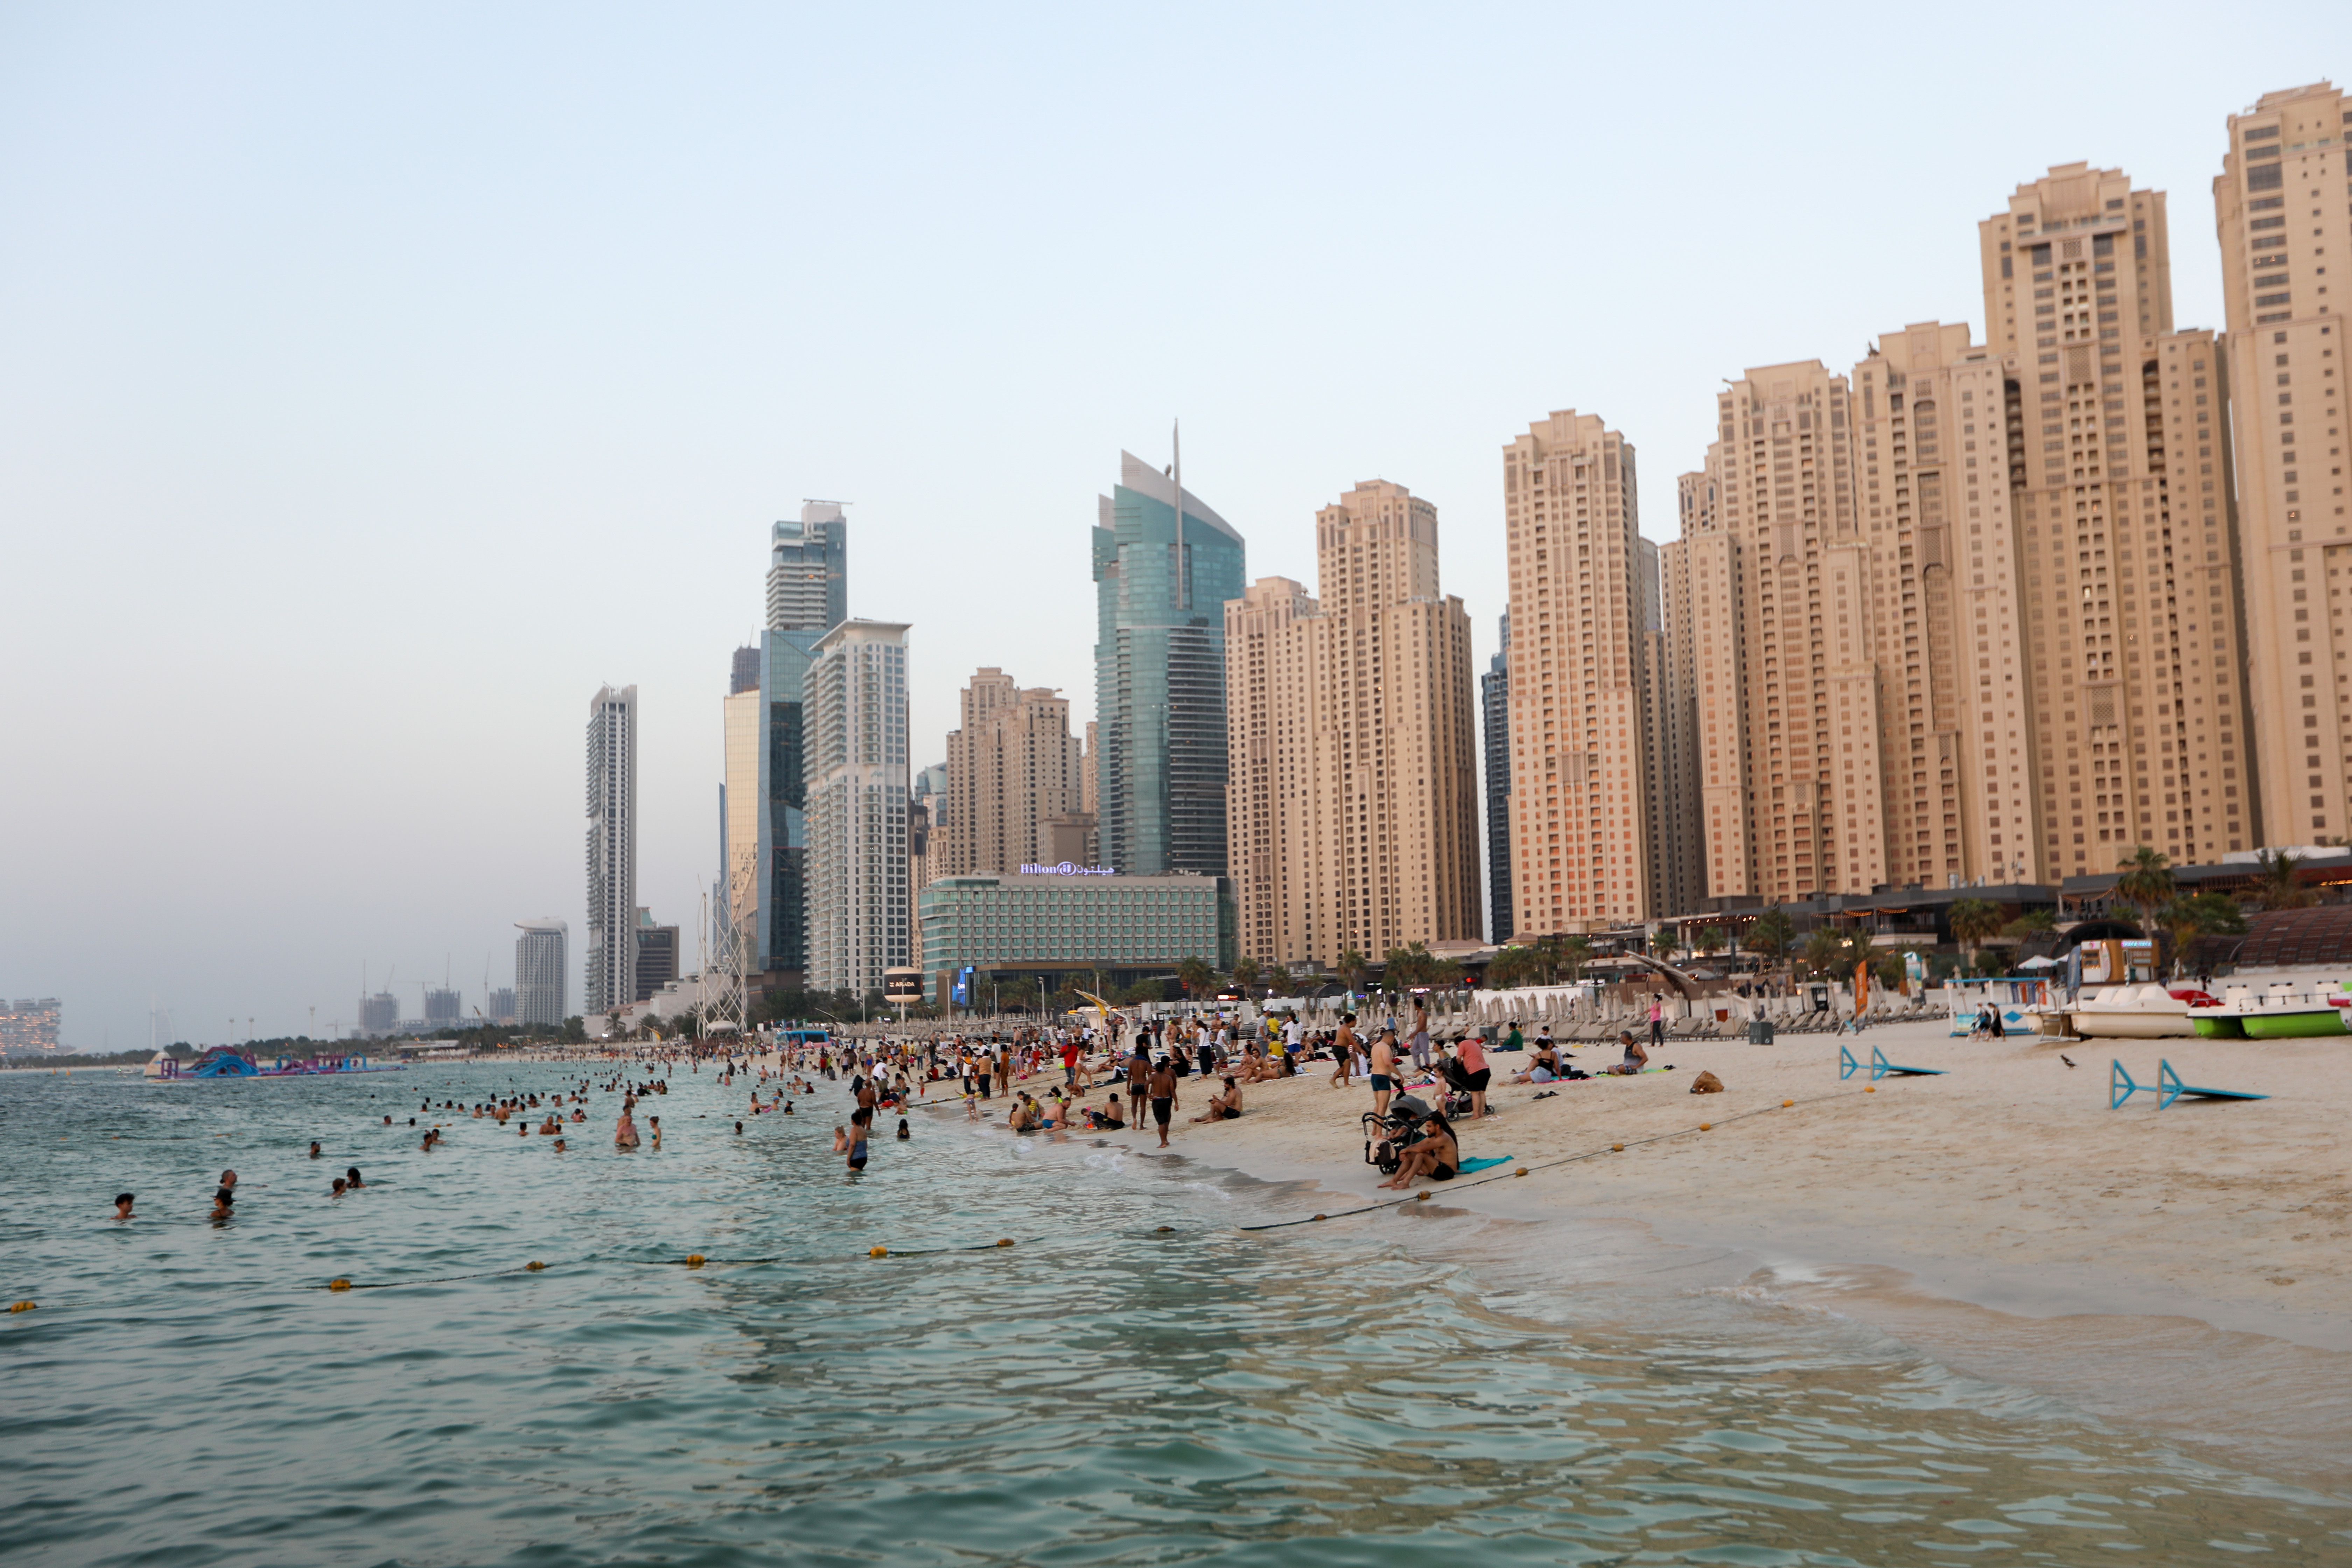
x: 808, y: 571
x: 764, y: 824
x: 1160, y: 587
x: 1495, y: 686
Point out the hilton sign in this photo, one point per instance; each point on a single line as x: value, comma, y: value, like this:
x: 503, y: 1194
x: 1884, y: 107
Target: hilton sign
x: 1068, y: 868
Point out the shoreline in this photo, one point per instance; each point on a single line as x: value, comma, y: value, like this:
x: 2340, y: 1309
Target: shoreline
x: 1999, y: 1218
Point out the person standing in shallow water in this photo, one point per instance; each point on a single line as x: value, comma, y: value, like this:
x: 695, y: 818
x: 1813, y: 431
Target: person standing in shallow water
x: 1163, y: 1098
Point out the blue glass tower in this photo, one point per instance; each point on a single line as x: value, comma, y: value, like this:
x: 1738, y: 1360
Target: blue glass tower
x: 1160, y: 587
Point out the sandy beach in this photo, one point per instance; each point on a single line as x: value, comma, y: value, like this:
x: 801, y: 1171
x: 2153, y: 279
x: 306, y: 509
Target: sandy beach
x: 2007, y: 1181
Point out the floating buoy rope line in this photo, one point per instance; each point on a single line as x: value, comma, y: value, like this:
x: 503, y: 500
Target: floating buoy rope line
x: 699, y: 1260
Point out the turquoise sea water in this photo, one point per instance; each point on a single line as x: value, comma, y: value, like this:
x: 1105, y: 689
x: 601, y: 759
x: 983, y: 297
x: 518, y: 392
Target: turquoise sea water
x: 1106, y: 1391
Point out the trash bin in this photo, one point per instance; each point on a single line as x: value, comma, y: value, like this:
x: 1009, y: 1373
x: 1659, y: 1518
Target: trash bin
x: 1759, y: 1031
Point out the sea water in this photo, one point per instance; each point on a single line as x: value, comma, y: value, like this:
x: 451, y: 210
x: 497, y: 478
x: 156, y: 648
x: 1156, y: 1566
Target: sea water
x: 1136, y: 1380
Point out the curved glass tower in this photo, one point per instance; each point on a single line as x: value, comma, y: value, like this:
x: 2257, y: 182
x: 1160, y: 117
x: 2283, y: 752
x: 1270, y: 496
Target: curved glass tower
x: 1160, y: 588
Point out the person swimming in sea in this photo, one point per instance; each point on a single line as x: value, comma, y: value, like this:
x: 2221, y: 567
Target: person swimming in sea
x: 625, y: 1131
x: 123, y: 1206
x: 353, y: 1176
x: 314, y: 1148
x: 904, y: 1133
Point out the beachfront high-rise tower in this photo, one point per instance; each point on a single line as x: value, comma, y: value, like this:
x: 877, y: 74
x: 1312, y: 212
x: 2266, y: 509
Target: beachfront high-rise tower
x: 856, y: 792
x: 1580, y: 757
x: 1352, y: 745
x: 1161, y: 581
x: 612, y: 851
x: 2122, y: 539
x: 2283, y: 205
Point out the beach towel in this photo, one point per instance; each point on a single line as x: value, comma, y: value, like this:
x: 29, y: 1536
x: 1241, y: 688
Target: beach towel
x: 1469, y: 1165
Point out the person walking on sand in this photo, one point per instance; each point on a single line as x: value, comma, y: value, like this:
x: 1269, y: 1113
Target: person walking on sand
x: 1421, y: 1033
x: 1344, y: 1049
x: 1163, y: 1097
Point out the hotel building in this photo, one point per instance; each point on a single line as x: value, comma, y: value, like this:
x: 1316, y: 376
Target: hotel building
x: 2283, y: 203
x: 1581, y: 797
x: 856, y: 784
x: 1351, y: 744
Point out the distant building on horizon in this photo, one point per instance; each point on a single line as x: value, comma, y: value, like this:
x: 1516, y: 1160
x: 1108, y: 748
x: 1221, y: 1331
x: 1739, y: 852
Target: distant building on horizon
x: 29, y: 1024
x: 501, y: 1005
x: 657, y: 955
x: 379, y: 1014
x: 542, y: 971
x: 443, y: 1008
x: 856, y: 791
x: 612, y: 980
x: 1495, y: 693
x: 744, y: 673
x: 1162, y: 580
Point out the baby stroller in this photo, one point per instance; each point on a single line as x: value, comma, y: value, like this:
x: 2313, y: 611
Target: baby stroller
x: 1388, y: 1135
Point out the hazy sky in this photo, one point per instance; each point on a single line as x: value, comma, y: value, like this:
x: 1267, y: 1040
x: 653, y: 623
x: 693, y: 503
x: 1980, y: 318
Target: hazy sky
x: 376, y: 383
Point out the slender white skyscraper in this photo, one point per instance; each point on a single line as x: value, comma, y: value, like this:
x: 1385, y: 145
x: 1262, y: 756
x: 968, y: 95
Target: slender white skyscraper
x: 856, y: 783
x: 612, y: 851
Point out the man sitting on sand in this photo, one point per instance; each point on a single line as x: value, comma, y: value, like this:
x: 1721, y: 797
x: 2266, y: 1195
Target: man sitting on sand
x: 1107, y: 1119
x: 1637, y: 1057
x: 1223, y: 1106
x: 1435, y: 1155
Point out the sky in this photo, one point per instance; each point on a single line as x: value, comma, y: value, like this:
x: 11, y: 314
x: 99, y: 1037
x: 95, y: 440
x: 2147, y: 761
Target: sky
x: 377, y: 382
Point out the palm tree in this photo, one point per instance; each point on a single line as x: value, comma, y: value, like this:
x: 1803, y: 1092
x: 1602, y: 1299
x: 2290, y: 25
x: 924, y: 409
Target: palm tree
x: 1513, y: 966
x: 2033, y: 922
x: 1973, y: 921
x: 1246, y: 975
x: 1352, y: 967
x: 1572, y: 953
x: 2205, y: 914
x: 1662, y: 945
x: 1772, y: 933
x: 1278, y: 980
x: 2278, y: 882
x: 1711, y: 940
x: 1829, y: 950
x: 2146, y: 884
x: 1195, y: 977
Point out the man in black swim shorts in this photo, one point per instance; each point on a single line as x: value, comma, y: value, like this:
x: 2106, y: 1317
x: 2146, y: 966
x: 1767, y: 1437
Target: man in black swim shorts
x: 1163, y: 1098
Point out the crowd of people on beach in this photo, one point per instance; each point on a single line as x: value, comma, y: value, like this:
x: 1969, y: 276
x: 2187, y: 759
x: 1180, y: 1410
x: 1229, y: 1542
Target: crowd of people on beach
x: 1109, y: 1074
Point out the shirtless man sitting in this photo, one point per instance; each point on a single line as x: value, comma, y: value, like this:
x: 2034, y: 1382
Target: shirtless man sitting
x: 1437, y: 1155
x: 1223, y: 1106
